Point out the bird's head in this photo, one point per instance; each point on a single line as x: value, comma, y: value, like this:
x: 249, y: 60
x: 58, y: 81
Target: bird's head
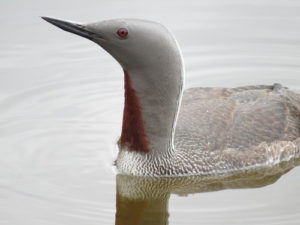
x: 134, y: 43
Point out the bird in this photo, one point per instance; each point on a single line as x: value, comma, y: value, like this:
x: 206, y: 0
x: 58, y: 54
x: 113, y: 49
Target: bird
x: 168, y: 131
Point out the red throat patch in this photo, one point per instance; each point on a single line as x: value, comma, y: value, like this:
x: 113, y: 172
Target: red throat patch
x: 133, y: 133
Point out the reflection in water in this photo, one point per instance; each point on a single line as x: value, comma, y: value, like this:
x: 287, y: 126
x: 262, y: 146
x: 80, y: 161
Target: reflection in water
x: 144, y: 200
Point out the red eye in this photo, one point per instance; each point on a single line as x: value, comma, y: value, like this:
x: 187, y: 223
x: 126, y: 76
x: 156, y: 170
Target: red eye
x: 122, y: 32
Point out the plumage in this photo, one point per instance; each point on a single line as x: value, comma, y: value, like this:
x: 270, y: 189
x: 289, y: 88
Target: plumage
x: 207, y: 131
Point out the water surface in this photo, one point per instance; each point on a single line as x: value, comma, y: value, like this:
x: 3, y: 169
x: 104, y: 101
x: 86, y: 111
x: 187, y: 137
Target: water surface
x: 61, y: 100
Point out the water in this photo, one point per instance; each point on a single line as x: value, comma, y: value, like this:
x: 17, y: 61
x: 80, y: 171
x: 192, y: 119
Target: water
x: 61, y: 106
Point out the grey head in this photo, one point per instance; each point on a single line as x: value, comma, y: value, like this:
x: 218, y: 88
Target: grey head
x: 149, y: 54
x: 132, y: 42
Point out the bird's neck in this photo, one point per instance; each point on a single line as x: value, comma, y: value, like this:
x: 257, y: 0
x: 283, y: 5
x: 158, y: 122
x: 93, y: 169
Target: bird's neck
x: 150, y: 110
x: 133, y: 134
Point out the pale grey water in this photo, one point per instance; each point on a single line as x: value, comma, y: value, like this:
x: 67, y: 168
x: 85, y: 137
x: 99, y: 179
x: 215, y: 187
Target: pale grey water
x: 61, y: 105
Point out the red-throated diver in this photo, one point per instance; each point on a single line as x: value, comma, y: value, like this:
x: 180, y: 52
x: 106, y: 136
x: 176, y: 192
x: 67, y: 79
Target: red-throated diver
x: 168, y: 132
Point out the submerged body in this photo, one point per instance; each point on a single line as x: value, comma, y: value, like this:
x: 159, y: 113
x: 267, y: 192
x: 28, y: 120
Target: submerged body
x: 170, y: 132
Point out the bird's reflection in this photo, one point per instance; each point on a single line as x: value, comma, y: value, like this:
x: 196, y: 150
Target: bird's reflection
x: 144, y: 200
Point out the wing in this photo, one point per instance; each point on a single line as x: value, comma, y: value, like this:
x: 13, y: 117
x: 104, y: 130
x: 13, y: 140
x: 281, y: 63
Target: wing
x: 237, y: 118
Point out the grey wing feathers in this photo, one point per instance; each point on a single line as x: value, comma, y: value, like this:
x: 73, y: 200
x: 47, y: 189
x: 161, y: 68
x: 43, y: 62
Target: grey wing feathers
x: 238, y: 118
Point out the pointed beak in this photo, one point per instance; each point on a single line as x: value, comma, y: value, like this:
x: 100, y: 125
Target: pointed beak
x: 72, y: 27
